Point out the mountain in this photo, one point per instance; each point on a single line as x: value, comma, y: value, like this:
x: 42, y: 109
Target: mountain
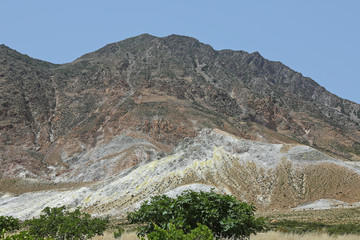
x: 154, y: 92
x: 97, y: 119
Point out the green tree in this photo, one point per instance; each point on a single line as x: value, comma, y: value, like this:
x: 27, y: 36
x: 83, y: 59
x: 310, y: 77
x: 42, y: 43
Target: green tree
x: 58, y: 223
x: 23, y: 235
x: 223, y: 214
x: 202, y: 232
x: 9, y: 223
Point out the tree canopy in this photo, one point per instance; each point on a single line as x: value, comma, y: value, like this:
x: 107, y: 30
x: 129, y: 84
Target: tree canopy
x: 224, y: 215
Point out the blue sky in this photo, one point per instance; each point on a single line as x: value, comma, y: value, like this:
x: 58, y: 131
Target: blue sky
x: 320, y: 39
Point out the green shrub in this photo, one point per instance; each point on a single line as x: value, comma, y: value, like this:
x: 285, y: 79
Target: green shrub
x: 119, y: 232
x: 20, y: 236
x: 202, y: 232
x: 223, y: 214
x: 9, y: 223
x: 58, y: 223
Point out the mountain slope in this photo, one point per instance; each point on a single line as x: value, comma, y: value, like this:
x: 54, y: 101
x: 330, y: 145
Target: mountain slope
x: 273, y: 176
x: 154, y: 92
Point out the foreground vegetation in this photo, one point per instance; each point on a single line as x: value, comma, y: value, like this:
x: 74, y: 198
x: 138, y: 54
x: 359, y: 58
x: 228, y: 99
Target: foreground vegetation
x: 223, y: 215
x: 268, y: 235
x: 55, y: 223
x: 192, y: 215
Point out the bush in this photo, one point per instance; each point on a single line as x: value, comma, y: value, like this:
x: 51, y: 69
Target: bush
x: 119, y: 232
x: 224, y: 215
x: 296, y: 227
x: 202, y: 232
x: 58, y: 223
x: 9, y: 223
x: 20, y: 236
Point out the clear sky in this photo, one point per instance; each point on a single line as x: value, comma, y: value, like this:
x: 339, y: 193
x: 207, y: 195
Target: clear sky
x: 318, y: 38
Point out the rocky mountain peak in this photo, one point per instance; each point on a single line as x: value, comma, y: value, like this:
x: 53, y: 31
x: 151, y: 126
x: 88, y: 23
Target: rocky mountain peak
x: 148, y: 44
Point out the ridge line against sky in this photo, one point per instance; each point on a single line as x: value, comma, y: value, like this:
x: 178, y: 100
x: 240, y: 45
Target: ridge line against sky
x: 320, y: 39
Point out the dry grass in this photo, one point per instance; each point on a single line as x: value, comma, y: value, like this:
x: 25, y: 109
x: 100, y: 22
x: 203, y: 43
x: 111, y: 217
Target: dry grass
x: 129, y: 236
x: 329, y: 216
x: 109, y: 235
x: 308, y: 236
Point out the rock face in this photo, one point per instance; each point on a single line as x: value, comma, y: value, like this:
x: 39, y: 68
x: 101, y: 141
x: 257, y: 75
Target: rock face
x: 273, y: 176
x: 59, y: 122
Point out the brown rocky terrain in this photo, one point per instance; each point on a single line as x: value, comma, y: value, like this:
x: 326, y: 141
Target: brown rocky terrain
x: 135, y: 100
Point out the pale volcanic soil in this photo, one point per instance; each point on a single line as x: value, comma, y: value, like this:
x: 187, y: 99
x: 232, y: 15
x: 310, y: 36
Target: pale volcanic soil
x: 272, y: 176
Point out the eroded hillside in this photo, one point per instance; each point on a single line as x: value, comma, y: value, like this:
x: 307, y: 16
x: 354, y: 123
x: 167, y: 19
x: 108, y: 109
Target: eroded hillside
x: 273, y: 176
